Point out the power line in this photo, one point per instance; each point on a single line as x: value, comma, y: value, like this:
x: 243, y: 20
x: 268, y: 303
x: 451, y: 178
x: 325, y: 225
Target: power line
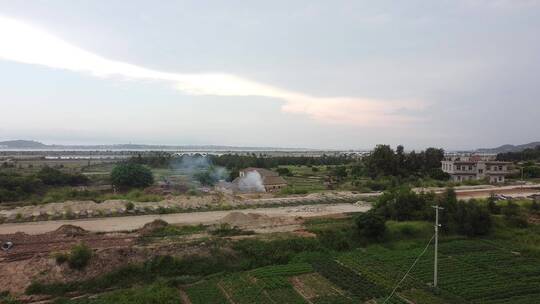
x: 410, y: 268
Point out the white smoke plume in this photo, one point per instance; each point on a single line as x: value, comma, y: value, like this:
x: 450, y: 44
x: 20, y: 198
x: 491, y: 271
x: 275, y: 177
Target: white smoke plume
x: 195, y: 165
x: 251, y: 182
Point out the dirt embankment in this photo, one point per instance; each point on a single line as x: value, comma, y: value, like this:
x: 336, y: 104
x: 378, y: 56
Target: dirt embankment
x: 32, y: 257
x: 129, y: 223
x: 109, y: 208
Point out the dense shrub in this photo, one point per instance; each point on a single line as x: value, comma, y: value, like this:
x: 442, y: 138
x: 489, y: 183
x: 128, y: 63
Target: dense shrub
x: 15, y: 187
x: 284, y: 171
x: 261, y: 253
x: 492, y: 205
x: 514, y: 216
x: 53, y: 177
x: 402, y: 204
x: 335, y: 239
x: 371, y: 225
x: 471, y: 219
x: 131, y: 175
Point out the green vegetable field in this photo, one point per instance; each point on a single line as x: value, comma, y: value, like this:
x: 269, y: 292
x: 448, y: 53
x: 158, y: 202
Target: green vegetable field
x: 471, y: 271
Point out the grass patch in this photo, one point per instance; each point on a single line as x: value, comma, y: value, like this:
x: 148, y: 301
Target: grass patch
x: 226, y: 230
x: 408, y: 229
x: 157, y: 293
x: 171, y: 230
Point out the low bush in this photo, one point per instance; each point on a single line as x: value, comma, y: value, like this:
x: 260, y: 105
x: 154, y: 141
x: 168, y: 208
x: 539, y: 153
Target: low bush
x: 130, y: 206
x: 79, y: 256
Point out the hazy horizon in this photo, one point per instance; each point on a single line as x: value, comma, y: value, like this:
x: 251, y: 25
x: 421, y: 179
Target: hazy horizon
x: 310, y: 74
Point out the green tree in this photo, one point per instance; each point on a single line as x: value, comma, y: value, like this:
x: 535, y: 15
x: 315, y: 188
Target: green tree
x: 284, y: 171
x: 340, y: 172
x: 433, y: 158
x: 382, y: 161
x: 403, y: 204
x: 131, y: 175
x: 471, y: 219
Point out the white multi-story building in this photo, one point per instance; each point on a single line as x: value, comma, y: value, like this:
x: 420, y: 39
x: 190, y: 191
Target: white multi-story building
x: 470, y: 167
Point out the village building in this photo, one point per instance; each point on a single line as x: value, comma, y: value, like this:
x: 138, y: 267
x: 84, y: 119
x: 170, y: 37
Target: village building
x: 475, y: 167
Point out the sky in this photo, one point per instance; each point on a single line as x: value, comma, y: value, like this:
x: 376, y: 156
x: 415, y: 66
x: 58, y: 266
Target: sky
x: 458, y: 74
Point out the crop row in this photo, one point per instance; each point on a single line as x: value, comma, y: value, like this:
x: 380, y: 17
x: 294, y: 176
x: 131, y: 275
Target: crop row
x: 473, y: 270
x: 243, y: 291
x: 357, y: 285
x: 376, y: 271
x: 270, y: 283
x: 206, y: 292
x: 282, y: 270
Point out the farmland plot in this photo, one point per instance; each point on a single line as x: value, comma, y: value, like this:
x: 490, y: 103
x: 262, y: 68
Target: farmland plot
x: 206, y: 292
x: 470, y: 271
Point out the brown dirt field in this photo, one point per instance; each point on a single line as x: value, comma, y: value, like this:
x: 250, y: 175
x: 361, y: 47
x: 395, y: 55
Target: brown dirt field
x: 32, y: 256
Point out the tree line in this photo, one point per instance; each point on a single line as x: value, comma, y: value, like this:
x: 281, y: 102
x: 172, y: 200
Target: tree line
x: 529, y: 154
x: 384, y: 161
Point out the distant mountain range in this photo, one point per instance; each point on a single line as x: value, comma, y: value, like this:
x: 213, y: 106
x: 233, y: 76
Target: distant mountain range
x: 510, y: 148
x: 31, y: 145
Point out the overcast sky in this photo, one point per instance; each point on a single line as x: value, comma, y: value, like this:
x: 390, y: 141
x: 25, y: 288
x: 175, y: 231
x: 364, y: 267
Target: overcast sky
x: 315, y: 74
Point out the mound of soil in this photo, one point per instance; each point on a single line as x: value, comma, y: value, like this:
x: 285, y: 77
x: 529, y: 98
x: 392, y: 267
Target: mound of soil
x: 149, y: 228
x: 70, y: 230
x: 251, y: 219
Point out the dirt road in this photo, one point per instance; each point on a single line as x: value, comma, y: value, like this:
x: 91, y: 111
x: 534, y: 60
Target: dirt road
x: 194, y: 218
x: 484, y: 191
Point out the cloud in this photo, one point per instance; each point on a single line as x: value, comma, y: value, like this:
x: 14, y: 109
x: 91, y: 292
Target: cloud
x: 24, y: 43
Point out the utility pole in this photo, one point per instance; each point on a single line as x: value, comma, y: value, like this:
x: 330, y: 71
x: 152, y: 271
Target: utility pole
x: 522, y: 182
x: 435, y: 264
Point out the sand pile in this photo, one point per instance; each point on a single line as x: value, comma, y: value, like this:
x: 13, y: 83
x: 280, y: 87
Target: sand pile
x: 250, y: 219
x: 149, y: 228
x: 70, y: 230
